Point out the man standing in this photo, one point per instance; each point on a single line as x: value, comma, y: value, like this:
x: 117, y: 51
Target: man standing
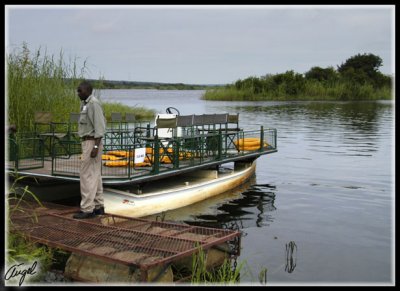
x: 91, y: 129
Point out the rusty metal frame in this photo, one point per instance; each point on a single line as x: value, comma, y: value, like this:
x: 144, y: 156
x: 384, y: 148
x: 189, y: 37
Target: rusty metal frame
x: 56, y: 228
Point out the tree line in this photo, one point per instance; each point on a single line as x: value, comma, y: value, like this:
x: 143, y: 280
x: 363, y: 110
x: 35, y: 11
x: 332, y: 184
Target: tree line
x: 110, y: 84
x: 358, y: 78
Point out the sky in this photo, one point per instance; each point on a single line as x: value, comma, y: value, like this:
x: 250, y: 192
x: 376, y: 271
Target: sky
x: 202, y: 44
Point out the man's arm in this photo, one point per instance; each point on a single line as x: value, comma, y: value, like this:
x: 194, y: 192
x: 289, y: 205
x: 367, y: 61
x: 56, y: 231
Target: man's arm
x: 99, y: 127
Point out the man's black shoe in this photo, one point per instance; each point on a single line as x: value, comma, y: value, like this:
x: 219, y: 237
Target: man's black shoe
x: 83, y: 215
x: 99, y: 211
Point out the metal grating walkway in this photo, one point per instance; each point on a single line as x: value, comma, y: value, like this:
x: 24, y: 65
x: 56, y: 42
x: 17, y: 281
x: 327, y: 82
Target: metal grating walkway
x: 130, y: 241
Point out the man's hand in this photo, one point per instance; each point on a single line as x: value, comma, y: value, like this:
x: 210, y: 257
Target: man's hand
x: 94, y: 152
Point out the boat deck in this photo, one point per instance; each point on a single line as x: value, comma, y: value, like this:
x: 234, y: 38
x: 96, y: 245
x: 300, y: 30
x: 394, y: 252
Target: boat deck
x: 60, y: 159
x: 135, y: 242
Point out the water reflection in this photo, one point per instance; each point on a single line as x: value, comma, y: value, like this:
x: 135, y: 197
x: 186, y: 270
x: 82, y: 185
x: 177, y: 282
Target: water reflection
x: 361, y: 116
x: 291, y: 256
x: 332, y: 128
x: 255, y: 205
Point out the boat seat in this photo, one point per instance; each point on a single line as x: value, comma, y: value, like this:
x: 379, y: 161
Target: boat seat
x: 210, y: 122
x: 132, y: 128
x: 185, y: 122
x: 129, y: 119
x: 166, y: 123
x: 232, y: 132
x: 115, y: 122
x: 164, y: 131
x: 221, y: 120
x: 234, y: 120
x: 48, y: 131
x: 190, y: 135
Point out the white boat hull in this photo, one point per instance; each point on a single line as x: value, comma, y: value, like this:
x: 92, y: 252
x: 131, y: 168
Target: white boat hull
x: 139, y: 205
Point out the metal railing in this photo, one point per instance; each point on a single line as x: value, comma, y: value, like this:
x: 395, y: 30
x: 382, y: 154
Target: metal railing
x: 162, y: 155
x: 25, y: 152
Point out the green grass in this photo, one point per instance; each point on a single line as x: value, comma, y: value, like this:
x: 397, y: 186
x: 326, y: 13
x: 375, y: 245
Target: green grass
x: 141, y: 113
x: 225, y: 273
x: 19, y: 250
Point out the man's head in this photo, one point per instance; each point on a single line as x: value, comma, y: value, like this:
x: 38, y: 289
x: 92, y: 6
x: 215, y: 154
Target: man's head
x: 84, y: 90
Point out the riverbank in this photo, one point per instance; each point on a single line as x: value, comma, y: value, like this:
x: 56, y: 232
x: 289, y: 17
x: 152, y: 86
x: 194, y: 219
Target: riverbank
x: 311, y: 93
x: 358, y: 78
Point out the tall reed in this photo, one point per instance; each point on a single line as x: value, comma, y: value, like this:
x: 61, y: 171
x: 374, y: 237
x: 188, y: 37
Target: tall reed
x: 40, y: 82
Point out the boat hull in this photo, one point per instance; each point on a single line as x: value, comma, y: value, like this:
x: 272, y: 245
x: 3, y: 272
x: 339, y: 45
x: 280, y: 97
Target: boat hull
x: 140, y: 205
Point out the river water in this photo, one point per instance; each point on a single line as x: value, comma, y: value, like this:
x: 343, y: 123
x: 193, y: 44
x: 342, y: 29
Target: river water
x: 320, y: 211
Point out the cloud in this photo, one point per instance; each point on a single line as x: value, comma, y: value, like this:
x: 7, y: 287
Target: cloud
x: 104, y: 27
x: 171, y: 42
